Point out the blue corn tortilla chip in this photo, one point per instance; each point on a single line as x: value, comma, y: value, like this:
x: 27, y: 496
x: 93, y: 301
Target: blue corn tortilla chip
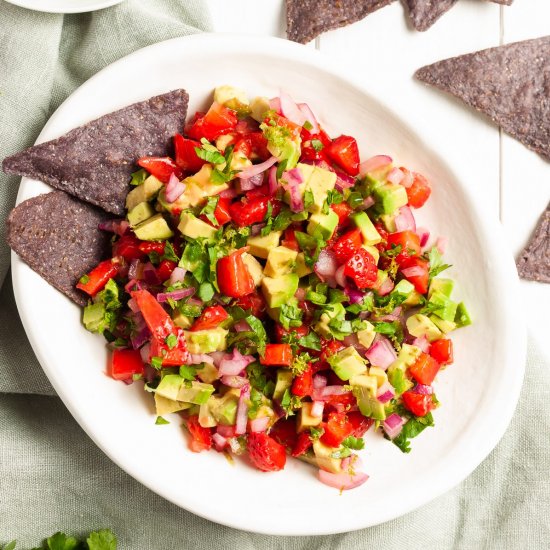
x: 534, y: 262
x: 424, y: 13
x: 307, y: 19
x: 94, y: 162
x: 510, y: 84
x: 57, y: 235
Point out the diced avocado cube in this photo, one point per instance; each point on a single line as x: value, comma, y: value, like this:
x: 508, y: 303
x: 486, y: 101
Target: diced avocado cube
x: 322, y: 226
x: 192, y: 227
x: 323, y: 456
x: 319, y: 182
x: 462, y: 317
x: 389, y: 222
x: 347, y: 363
x: 153, y: 229
x: 445, y: 286
x: 444, y: 326
x: 195, y: 392
x: 206, y: 341
x: 413, y: 299
x: 140, y: 213
x: 364, y: 389
x: 389, y: 197
x: 144, y: 192
x: 367, y: 335
x: 306, y: 419
x: 277, y: 291
x: 283, y: 383
x: 254, y: 268
x: 181, y: 320
x: 163, y: 405
x: 406, y: 358
x: 170, y: 386
x: 368, y: 231
x: 208, y: 374
x: 280, y: 261
x: 206, y: 419
x: 335, y: 311
x: 224, y: 409
x: 284, y: 147
x: 446, y: 307
x: 380, y: 278
x: 259, y: 107
x: 379, y: 374
x: 399, y: 381
x: 225, y: 93
x: 301, y: 268
x: 261, y: 245
x: 404, y: 288
x: 419, y: 325
x: 93, y: 316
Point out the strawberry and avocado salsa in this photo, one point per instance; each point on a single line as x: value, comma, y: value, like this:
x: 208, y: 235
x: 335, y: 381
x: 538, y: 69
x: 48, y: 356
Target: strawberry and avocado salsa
x: 275, y: 291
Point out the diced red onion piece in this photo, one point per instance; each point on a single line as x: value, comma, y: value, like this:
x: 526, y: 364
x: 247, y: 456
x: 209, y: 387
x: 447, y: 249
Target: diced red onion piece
x: 242, y: 326
x: 234, y: 363
x: 217, y: 357
x: 385, y: 392
x: 251, y: 183
x: 133, y: 305
x: 333, y: 390
x: 177, y: 276
x: 319, y: 381
x: 259, y: 424
x: 228, y: 193
x: 374, y: 163
x: 135, y: 269
x: 273, y: 184
x: 246, y: 126
x: 145, y: 353
x: 242, y: 410
x: 395, y: 176
x: 355, y: 296
x: 310, y: 117
x: 275, y: 105
x: 296, y: 200
x: 150, y: 274
x: 225, y: 431
x: 326, y: 265
x: 198, y: 358
x: 367, y: 203
x: 343, y: 181
x: 393, y: 425
x: 408, y: 179
x: 114, y: 226
x: 175, y: 294
x: 290, y: 110
x: 386, y: 287
x: 413, y: 271
x: 393, y: 316
x: 441, y: 244
x: 194, y: 302
x: 300, y: 294
x: 141, y: 337
x: 219, y: 441
x: 381, y: 353
x: 351, y: 340
x: 234, y: 381
x: 130, y: 285
x: 256, y: 229
x: 424, y: 235
x: 174, y: 188
x: 404, y: 221
x: 256, y: 169
x: 423, y: 389
x: 340, y: 276
x: 344, y: 480
x: 317, y: 409
x: 422, y: 343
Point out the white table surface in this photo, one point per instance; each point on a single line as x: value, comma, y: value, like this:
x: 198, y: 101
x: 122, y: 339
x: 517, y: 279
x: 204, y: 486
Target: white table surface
x: 383, y: 51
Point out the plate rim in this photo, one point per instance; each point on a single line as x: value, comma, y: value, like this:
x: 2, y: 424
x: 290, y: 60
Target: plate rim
x: 97, y: 5
x: 488, y: 226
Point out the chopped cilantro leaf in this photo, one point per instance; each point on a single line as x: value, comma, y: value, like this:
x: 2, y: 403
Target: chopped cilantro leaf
x: 84, y: 279
x: 411, y: 429
x: 102, y: 540
x: 290, y: 316
x: 307, y: 125
x: 209, y: 153
x: 309, y: 200
x: 156, y: 362
x: 281, y: 167
x: 316, y: 433
x: 209, y: 208
x: 138, y: 177
x: 436, y: 262
x: 188, y: 372
x: 169, y: 252
x: 171, y: 341
x: 301, y: 363
x: 310, y: 340
x: 355, y: 443
x: 160, y: 421
x: 205, y: 292
x: 317, y: 145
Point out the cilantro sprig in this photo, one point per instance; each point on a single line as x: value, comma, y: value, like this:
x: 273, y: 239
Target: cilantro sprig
x: 103, y: 539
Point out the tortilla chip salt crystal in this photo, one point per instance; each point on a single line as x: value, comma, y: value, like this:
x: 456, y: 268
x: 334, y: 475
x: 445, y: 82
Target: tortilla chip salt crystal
x: 307, y: 19
x: 58, y: 237
x: 94, y: 162
x: 534, y: 262
x: 424, y: 13
x: 509, y: 84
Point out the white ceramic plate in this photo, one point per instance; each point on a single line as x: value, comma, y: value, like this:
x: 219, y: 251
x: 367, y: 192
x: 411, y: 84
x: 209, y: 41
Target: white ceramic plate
x: 478, y: 393
x: 64, y: 6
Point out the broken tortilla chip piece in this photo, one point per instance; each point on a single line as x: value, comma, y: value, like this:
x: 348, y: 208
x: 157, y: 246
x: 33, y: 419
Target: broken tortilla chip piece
x: 58, y: 237
x: 424, y: 13
x: 534, y: 262
x: 307, y: 19
x: 94, y: 162
x: 510, y: 84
